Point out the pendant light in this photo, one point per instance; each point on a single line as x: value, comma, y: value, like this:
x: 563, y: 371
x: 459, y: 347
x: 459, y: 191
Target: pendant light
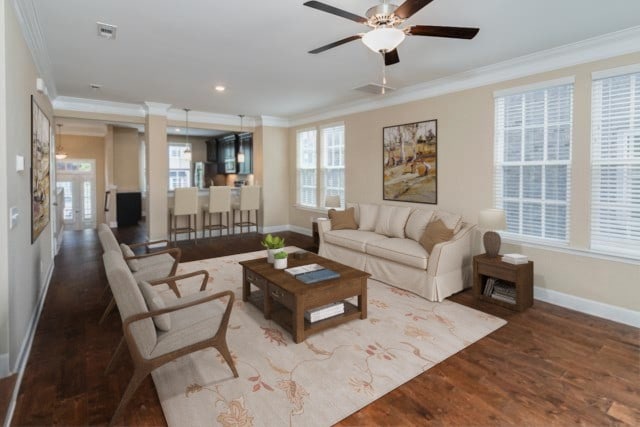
x: 187, y: 152
x: 240, y: 152
x: 60, y: 154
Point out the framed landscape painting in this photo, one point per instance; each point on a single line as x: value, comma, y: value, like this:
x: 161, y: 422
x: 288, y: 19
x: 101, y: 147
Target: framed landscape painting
x: 40, y: 165
x: 410, y: 162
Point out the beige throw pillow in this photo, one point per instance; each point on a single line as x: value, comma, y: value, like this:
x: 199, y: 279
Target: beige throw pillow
x: 155, y: 302
x: 368, y: 216
x: 391, y: 220
x: 436, y: 232
x: 133, y: 264
x: 343, y: 220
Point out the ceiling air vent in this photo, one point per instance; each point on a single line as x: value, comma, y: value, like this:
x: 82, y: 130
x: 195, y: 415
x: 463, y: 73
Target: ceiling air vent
x: 106, y: 31
x: 375, y: 89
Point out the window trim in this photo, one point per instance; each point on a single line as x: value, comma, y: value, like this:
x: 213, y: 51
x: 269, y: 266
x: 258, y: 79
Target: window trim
x: 169, y: 169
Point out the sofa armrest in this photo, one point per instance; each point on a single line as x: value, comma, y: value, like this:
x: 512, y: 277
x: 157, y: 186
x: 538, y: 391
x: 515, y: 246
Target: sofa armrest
x: 324, y: 225
x: 452, y: 255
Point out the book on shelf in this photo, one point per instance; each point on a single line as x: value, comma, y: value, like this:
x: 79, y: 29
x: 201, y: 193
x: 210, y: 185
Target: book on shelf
x: 317, y: 276
x: 294, y: 271
x: 515, y: 258
x: 324, y: 311
x: 504, y: 298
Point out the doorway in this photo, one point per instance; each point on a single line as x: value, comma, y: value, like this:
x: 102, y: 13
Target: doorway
x: 78, y: 179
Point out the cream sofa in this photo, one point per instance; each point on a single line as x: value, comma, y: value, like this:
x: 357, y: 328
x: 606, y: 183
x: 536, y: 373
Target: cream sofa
x: 386, y: 246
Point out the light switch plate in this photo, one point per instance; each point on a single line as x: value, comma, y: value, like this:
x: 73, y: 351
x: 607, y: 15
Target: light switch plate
x: 14, y: 214
x: 19, y: 163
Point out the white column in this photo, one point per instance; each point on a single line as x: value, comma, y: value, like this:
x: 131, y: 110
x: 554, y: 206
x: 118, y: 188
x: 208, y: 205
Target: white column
x: 157, y: 169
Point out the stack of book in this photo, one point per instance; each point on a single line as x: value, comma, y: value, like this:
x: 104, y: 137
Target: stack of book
x: 500, y: 290
x: 312, y: 273
x: 324, y: 312
x: 515, y: 258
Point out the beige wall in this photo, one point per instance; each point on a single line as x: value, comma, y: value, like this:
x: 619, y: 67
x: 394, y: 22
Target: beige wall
x: 28, y: 264
x: 465, y: 176
x: 273, y: 178
x: 89, y: 147
x: 126, y: 159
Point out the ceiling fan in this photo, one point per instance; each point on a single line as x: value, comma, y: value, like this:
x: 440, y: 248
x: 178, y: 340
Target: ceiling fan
x: 385, y: 19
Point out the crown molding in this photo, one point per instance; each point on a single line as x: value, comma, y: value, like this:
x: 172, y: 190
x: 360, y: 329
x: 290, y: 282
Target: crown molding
x: 86, y: 105
x: 28, y: 19
x: 156, y: 108
x: 88, y: 128
x: 589, y: 50
x: 278, y: 122
x: 211, y: 118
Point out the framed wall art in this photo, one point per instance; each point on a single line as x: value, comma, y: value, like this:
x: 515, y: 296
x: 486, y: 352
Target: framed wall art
x: 40, y: 169
x: 410, y: 162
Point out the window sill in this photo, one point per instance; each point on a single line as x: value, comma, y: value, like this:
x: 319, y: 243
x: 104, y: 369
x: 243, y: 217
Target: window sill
x: 565, y: 248
x: 322, y: 211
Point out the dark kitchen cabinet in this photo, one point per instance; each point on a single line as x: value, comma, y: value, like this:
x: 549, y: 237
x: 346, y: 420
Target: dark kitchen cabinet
x: 228, y: 147
x: 245, y: 145
x: 212, y: 150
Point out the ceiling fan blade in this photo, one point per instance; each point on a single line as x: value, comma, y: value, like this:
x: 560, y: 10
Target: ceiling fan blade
x: 391, y: 57
x: 335, y: 11
x: 334, y: 44
x: 450, y: 32
x: 409, y: 7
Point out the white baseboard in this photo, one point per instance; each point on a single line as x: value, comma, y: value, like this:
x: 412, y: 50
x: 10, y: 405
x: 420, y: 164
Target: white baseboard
x: 25, y: 348
x: 113, y: 224
x: 5, y: 369
x: 595, y: 308
x: 276, y: 228
x: 301, y: 230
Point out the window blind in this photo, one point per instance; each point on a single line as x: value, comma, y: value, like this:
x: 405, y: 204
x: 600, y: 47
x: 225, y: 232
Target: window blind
x: 615, y: 165
x: 306, y: 164
x: 533, y: 160
x: 332, y: 163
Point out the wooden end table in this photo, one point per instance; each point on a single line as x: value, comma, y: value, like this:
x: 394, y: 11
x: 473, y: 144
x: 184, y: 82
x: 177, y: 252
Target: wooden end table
x: 518, y: 275
x: 284, y: 299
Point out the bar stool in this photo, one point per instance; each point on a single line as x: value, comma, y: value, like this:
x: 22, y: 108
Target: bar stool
x: 249, y: 201
x: 219, y: 202
x: 185, y: 202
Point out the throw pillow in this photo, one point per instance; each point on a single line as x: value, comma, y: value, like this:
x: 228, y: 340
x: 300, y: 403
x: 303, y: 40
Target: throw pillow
x: 134, y: 264
x: 391, y: 220
x: 343, y: 220
x: 154, y: 302
x: 436, y: 232
x: 451, y: 220
x: 417, y: 223
x: 368, y: 215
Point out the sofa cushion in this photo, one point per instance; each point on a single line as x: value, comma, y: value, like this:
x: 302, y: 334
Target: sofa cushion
x: 368, y: 215
x: 352, y: 239
x: 343, y: 220
x: 127, y: 252
x: 417, y: 223
x: 391, y: 220
x: 403, y: 251
x: 436, y: 232
x: 452, y: 221
x: 155, y: 302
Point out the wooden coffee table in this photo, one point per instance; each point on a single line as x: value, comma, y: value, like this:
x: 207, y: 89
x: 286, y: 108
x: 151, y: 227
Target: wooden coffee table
x: 284, y: 299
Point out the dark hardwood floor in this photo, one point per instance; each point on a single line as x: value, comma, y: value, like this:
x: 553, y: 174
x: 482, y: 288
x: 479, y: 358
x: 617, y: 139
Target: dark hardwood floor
x: 547, y: 366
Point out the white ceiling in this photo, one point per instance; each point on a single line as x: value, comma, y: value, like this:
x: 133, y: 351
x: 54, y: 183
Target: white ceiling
x: 176, y: 52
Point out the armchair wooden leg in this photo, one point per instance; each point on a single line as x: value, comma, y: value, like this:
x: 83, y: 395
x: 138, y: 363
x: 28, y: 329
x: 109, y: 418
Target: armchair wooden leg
x: 224, y: 351
x: 115, y: 356
x: 136, y: 380
x: 105, y: 291
x: 107, y: 310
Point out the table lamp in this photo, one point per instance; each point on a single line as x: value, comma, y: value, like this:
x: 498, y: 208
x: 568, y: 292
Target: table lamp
x: 332, y: 201
x: 491, y: 220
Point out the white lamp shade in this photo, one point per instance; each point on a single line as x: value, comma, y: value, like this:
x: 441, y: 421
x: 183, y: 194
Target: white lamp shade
x: 492, y: 219
x: 383, y: 39
x: 332, y: 202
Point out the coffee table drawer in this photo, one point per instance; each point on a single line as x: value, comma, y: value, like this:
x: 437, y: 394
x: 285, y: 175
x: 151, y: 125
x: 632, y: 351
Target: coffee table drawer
x: 283, y: 297
x: 256, y: 280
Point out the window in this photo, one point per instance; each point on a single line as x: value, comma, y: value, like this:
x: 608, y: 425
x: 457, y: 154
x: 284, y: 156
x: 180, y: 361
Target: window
x: 615, y: 164
x: 533, y: 159
x: 320, y: 165
x: 179, y: 166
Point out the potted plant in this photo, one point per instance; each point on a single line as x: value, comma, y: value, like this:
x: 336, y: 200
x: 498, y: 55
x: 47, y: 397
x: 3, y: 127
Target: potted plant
x: 280, y: 260
x: 273, y: 245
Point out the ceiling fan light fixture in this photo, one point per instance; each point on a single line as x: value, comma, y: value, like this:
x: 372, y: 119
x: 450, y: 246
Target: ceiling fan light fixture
x: 383, y: 39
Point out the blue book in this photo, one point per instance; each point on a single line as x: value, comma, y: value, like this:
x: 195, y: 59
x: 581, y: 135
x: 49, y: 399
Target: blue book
x: 317, y: 276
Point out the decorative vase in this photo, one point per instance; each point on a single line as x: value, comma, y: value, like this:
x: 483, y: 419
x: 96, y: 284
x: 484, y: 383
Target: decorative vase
x: 271, y: 253
x: 280, y: 263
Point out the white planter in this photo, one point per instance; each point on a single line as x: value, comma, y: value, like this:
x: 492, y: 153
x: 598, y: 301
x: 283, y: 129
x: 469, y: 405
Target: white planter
x: 280, y: 264
x: 271, y: 253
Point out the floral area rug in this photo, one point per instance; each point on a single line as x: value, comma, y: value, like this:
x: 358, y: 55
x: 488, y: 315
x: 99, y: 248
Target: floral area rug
x: 317, y: 382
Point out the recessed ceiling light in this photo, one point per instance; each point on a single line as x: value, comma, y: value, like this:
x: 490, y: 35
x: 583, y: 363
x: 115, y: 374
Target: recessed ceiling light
x: 220, y: 88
